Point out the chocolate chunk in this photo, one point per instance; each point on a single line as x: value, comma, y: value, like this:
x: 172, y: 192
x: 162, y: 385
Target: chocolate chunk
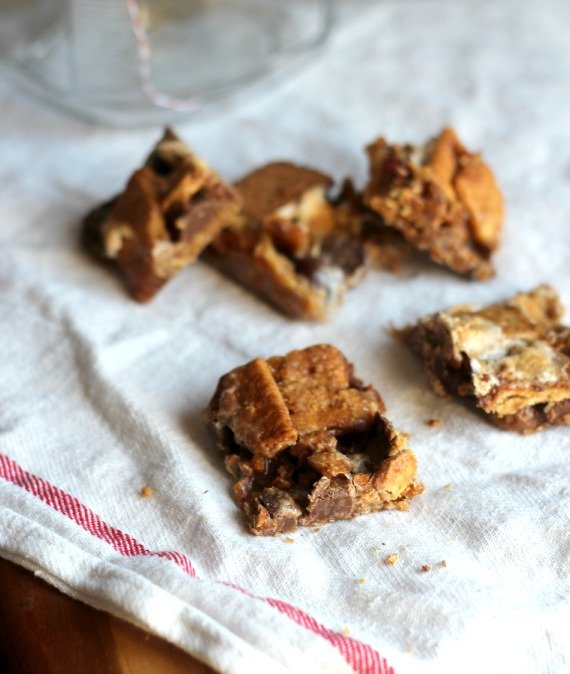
x: 331, y: 499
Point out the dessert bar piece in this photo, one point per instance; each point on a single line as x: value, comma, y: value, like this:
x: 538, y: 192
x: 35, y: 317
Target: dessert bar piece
x: 289, y: 246
x: 307, y: 443
x: 443, y: 199
x: 384, y: 247
x: 170, y: 210
x: 512, y: 359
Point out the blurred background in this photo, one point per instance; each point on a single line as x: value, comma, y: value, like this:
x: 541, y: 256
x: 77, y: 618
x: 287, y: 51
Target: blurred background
x: 125, y: 62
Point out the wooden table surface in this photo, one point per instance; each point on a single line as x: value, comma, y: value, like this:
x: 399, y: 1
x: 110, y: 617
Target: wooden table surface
x: 42, y: 631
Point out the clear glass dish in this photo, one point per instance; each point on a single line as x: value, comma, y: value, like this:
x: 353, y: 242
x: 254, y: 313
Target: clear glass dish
x: 134, y: 62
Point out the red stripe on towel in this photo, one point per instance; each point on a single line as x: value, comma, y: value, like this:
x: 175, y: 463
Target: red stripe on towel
x: 361, y: 657
x: 80, y: 514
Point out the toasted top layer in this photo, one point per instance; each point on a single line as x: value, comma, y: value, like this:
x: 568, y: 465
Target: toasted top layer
x: 516, y: 353
x: 270, y: 405
x: 320, y: 392
x: 268, y: 188
x: 288, y: 204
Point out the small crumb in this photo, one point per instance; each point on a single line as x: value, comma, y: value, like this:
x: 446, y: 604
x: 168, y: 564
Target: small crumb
x: 409, y: 649
x: 288, y: 539
x: 316, y: 529
x: 425, y: 568
x: 346, y: 631
x: 206, y: 491
x: 391, y: 559
x: 434, y: 423
x: 443, y: 563
x: 449, y: 485
x: 362, y: 580
x: 146, y: 491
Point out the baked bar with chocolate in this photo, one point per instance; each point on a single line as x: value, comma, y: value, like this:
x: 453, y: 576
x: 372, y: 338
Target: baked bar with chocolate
x: 289, y: 247
x: 384, y: 247
x: 512, y: 359
x: 170, y: 210
x: 307, y: 442
x: 441, y: 197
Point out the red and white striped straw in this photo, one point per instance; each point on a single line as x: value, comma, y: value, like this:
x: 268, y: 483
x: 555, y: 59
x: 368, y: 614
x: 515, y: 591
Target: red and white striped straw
x: 151, y: 91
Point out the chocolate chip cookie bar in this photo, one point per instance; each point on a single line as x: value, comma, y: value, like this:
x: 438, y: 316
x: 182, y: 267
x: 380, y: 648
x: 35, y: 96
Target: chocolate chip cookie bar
x: 292, y: 245
x: 170, y: 210
x: 307, y: 442
x: 511, y: 359
x: 441, y: 197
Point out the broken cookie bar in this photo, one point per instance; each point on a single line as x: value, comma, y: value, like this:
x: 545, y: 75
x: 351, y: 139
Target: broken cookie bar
x: 441, y: 197
x: 170, y: 210
x: 288, y: 246
x: 307, y: 443
x: 512, y: 359
x: 384, y: 247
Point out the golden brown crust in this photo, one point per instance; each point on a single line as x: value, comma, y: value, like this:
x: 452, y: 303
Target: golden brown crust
x: 320, y: 393
x: 170, y: 210
x: 443, y: 199
x: 251, y: 404
x: 307, y: 443
x: 512, y: 358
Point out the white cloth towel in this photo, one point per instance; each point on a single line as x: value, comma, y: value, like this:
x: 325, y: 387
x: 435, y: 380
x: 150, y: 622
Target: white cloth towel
x: 100, y: 396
